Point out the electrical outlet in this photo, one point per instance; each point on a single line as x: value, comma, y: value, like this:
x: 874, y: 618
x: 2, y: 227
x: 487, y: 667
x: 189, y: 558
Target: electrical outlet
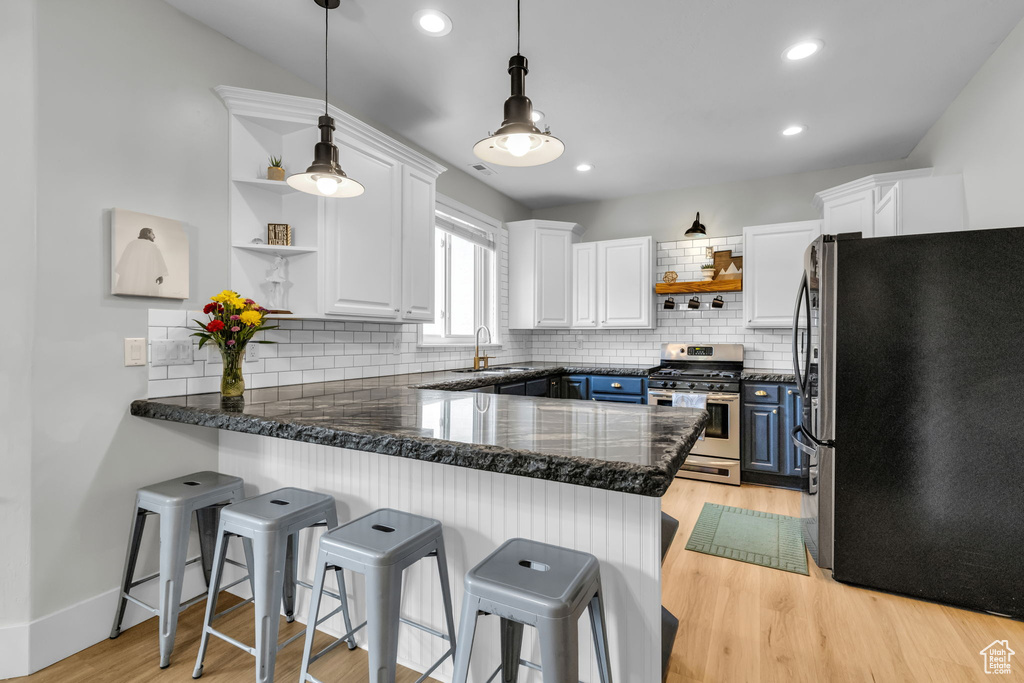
x: 252, y: 352
x: 172, y: 352
x: 579, y: 341
x: 134, y: 351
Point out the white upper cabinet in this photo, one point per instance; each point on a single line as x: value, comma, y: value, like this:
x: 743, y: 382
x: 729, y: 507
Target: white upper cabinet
x: 540, y: 268
x: 625, y: 271
x: 364, y: 258
x: 773, y: 261
x: 889, y: 204
x: 584, y: 284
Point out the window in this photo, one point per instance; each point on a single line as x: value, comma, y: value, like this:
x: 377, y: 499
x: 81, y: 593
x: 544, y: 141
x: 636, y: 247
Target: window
x: 464, y: 285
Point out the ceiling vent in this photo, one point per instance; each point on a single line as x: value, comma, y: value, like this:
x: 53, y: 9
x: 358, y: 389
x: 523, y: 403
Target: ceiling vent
x: 483, y: 169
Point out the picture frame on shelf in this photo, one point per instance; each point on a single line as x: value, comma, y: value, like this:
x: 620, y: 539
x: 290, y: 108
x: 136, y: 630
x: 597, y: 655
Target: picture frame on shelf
x: 279, y: 234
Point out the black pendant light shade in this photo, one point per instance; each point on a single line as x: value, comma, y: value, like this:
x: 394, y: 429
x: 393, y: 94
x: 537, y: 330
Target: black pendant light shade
x: 519, y: 142
x: 697, y: 228
x: 324, y: 177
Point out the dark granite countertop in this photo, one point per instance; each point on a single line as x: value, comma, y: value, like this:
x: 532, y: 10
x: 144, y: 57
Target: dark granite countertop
x: 756, y: 375
x: 621, y: 447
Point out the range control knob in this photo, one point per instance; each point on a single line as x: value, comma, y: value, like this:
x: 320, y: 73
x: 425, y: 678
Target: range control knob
x: 672, y: 385
x: 691, y: 385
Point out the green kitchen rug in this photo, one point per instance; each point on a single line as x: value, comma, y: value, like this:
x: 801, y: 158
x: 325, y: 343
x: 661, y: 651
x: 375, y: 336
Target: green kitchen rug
x: 750, y: 536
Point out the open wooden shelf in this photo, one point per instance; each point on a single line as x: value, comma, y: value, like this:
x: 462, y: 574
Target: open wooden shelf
x: 700, y: 286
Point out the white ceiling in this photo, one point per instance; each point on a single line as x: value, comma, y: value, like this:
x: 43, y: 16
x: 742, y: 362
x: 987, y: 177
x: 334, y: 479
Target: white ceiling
x: 657, y: 94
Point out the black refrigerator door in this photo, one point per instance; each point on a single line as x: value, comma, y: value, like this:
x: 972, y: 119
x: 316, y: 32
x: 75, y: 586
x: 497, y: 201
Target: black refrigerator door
x: 929, y: 475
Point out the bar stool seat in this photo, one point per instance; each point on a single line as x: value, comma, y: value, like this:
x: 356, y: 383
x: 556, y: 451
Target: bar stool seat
x: 271, y: 524
x: 528, y: 583
x: 380, y: 545
x: 175, y: 500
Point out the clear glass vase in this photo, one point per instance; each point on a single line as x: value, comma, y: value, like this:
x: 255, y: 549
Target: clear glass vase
x: 232, y: 384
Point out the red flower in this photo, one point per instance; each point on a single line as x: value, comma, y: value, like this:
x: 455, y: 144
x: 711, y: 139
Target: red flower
x: 210, y: 308
x: 214, y: 326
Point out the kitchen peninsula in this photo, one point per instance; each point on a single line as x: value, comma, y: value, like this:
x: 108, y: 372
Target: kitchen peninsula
x: 580, y: 474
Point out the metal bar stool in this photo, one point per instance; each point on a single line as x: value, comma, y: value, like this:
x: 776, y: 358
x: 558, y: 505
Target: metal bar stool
x: 380, y: 545
x: 271, y: 523
x: 530, y: 583
x: 175, y: 500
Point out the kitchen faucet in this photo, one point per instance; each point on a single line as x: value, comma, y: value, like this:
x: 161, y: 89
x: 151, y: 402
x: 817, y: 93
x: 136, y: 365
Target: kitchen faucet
x: 476, y: 356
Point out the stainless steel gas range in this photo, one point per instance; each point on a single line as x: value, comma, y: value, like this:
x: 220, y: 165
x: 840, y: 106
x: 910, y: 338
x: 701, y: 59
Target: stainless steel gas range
x: 713, y: 372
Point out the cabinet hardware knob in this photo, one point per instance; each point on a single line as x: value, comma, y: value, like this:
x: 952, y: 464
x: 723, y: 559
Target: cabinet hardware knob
x: 789, y: 391
x: 760, y: 392
x: 616, y: 385
x: 408, y: 312
x: 775, y: 412
x: 396, y: 310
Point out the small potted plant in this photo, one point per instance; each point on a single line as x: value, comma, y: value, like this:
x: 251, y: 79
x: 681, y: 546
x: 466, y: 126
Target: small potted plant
x: 708, y: 271
x: 233, y: 323
x: 275, y: 171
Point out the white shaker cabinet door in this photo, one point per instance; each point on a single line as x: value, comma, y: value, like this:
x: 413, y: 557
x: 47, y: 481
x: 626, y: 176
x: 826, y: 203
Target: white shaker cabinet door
x: 552, y: 259
x: 417, y: 246
x: 364, y: 238
x: 851, y: 213
x: 773, y: 262
x: 584, y: 284
x: 624, y: 273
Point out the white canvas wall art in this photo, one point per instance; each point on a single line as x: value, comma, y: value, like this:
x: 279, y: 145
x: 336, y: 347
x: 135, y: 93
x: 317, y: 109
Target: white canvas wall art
x: 149, y: 256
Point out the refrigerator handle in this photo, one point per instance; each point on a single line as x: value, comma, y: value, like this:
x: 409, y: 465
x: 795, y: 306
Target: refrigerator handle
x: 800, y: 430
x: 796, y: 331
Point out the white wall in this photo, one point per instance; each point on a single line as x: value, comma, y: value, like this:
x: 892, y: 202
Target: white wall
x: 128, y: 119
x: 724, y: 209
x: 981, y: 135
x: 17, y: 197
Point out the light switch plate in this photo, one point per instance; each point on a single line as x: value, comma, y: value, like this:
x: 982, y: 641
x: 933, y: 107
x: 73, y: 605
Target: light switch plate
x: 134, y: 351
x: 172, y: 352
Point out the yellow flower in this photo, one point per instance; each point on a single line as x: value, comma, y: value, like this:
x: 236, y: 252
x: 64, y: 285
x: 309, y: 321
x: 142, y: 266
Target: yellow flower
x: 251, y: 318
x: 227, y: 296
x: 237, y: 302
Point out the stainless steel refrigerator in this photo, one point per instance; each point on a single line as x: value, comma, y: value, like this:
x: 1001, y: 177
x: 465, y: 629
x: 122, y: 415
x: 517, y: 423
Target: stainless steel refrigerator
x: 909, y: 354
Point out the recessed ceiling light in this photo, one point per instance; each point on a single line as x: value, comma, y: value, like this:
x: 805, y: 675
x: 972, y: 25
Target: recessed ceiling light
x: 536, y: 115
x: 433, y: 22
x: 583, y: 168
x: 803, y: 50
x: 794, y: 130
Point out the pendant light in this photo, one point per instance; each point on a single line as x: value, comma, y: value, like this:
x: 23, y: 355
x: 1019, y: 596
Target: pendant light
x: 519, y: 142
x: 697, y: 228
x: 324, y: 177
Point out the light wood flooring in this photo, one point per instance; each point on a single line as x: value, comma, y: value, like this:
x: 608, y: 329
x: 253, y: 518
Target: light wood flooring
x: 739, y: 623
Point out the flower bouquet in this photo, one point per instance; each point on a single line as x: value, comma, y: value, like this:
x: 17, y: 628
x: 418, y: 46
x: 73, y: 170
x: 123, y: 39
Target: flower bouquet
x: 233, y: 322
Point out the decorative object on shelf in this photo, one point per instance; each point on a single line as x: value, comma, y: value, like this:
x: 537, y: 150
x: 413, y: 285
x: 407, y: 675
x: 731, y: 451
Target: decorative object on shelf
x: 708, y: 271
x: 324, y: 176
x: 257, y: 240
x: 275, y: 171
x: 233, y: 323
x: 518, y: 142
x: 670, y: 277
x: 670, y: 304
x: 727, y: 266
x: 149, y: 256
x: 697, y: 229
x: 276, y: 278
x: 694, y: 302
x: 279, y: 234
x: 718, y: 302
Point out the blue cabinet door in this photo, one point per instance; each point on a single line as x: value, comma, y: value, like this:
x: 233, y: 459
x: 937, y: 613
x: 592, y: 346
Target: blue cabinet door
x: 793, y: 457
x: 576, y: 387
x: 761, y: 432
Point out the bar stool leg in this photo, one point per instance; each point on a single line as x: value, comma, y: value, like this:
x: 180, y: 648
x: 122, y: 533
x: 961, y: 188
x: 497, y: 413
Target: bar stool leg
x: 270, y: 550
x: 211, y: 601
x: 174, y: 529
x: 130, y: 560
x: 446, y: 591
x: 599, y: 629
x: 467, y: 631
x: 250, y: 562
x: 511, y: 650
x: 340, y: 574
x: 314, y: 612
x: 207, y: 519
x: 559, y: 650
x: 384, y: 598
x: 291, y: 565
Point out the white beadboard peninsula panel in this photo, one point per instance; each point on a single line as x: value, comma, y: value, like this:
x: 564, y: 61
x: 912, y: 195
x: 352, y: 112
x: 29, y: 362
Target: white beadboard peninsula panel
x: 479, y: 511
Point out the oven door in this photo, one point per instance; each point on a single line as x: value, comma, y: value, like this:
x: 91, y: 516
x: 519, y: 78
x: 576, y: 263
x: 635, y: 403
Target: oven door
x: 721, y: 436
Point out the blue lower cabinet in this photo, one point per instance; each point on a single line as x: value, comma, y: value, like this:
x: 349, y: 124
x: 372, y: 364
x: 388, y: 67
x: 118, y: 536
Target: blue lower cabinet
x: 576, y: 387
x: 761, y: 432
x: 616, y: 398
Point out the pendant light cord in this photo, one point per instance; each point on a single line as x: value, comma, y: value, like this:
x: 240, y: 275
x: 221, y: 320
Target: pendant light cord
x: 519, y: 24
x: 327, y: 20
